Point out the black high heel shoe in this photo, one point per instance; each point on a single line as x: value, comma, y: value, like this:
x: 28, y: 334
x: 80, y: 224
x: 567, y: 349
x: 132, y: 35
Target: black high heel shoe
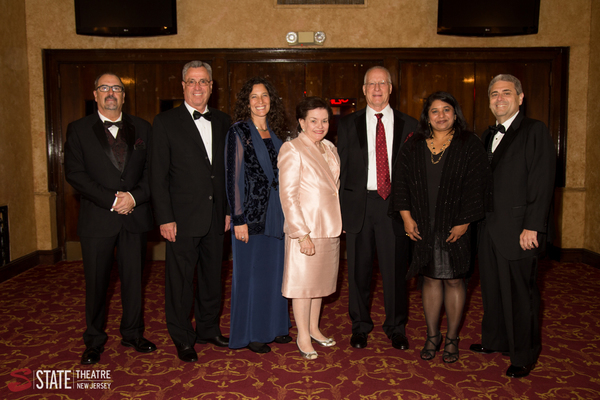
x: 447, y: 356
x: 429, y: 354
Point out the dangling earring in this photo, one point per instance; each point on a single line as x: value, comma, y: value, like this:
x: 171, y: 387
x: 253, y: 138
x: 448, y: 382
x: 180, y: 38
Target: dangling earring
x: 430, y: 130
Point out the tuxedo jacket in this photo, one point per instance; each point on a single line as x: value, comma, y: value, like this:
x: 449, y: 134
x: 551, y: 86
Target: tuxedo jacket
x: 352, y: 147
x: 185, y: 185
x: 93, y: 171
x: 308, y: 189
x: 523, y: 168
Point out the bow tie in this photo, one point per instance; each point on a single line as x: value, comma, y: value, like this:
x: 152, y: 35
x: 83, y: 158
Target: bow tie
x: 497, y: 128
x: 198, y: 115
x: 118, y: 124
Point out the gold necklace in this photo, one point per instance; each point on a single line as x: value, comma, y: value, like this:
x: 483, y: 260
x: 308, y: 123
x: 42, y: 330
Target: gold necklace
x: 444, y: 146
x: 263, y: 130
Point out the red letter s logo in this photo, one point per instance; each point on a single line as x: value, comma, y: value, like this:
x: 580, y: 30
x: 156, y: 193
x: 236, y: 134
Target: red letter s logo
x: 16, y: 386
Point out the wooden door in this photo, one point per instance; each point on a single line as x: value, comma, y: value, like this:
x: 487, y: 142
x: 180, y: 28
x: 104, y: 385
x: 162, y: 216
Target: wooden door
x: 468, y: 82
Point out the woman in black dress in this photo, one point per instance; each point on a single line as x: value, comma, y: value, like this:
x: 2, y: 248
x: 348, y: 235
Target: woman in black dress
x: 438, y: 188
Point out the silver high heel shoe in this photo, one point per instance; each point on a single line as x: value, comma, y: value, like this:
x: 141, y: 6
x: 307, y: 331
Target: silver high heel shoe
x: 328, y: 342
x: 309, y: 356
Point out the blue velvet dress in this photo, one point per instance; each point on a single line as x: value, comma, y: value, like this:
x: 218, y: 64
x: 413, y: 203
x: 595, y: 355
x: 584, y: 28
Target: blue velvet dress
x: 259, y: 312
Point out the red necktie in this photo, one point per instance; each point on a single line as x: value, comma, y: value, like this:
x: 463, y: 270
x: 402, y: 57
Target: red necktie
x: 381, y: 154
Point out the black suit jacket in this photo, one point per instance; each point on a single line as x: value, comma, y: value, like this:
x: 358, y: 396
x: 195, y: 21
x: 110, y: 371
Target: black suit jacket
x: 93, y: 171
x: 523, y: 173
x: 352, y: 148
x: 185, y: 185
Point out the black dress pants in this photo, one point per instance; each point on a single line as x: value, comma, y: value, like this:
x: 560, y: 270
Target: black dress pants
x: 511, y: 303
x: 377, y: 235
x: 201, y: 257
x: 98, y: 260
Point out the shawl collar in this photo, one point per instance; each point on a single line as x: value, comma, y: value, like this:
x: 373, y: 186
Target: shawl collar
x: 192, y: 131
x: 100, y: 133
x: 274, y: 219
x: 128, y: 133
x: 506, y: 141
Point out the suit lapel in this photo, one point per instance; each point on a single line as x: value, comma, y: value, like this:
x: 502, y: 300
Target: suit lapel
x: 506, y: 141
x: 361, y: 132
x: 398, y: 129
x: 192, y: 131
x: 100, y: 133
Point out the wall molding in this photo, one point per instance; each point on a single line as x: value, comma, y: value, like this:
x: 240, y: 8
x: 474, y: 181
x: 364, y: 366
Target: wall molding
x: 580, y: 255
x: 29, y: 261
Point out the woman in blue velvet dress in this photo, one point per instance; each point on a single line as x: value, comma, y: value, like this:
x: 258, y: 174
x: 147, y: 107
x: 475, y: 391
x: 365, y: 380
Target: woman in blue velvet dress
x: 259, y: 313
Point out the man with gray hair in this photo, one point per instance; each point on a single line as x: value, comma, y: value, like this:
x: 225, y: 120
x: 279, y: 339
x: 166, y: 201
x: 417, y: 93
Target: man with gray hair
x: 523, y: 159
x: 369, y: 142
x: 187, y: 180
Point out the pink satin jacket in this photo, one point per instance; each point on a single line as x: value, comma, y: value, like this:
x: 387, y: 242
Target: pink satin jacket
x: 309, y: 188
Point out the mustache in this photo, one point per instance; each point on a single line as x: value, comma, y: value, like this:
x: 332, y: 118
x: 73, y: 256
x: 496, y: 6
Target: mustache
x: 110, y: 96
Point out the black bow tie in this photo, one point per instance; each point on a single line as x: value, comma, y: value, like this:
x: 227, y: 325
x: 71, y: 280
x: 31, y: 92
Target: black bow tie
x: 198, y: 115
x: 118, y: 124
x: 497, y: 128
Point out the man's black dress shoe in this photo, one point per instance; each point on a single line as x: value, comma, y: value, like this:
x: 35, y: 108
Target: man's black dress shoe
x: 259, y: 347
x: 186, y: 353
x: 358, y: 340
x: 283, y: 339
x: 519, y: 372
x: 399, y: 341
x: 140, y: 344
x: 218, y: 340
x: 91, y: 355
x: 478, y: 348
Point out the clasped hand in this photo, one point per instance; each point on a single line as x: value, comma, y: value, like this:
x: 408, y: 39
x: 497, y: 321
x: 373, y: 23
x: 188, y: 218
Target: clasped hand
x: 124, y: 204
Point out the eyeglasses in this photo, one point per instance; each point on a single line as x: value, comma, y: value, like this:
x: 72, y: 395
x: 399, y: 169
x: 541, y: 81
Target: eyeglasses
x: 372, y: 85
x: 193, y: 82
x: 106, y: 88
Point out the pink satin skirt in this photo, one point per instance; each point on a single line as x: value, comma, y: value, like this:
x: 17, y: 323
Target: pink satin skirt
x: 310, y: 276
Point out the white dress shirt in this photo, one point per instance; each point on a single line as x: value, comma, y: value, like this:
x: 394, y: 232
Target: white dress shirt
x: 205, y: 128
x: 113, y: 129
x: 388, y: 124
x: 499, y: 136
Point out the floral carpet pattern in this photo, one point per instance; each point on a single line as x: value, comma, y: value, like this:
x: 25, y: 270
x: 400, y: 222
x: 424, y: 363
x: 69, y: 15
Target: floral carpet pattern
x: 42, y: 313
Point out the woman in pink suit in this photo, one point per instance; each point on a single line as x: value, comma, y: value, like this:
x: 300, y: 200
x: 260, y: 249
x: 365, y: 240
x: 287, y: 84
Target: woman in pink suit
x: 309, y: 170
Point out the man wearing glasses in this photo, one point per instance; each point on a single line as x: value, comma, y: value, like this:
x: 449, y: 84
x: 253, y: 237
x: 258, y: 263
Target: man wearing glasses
x: 187, y: 171
x: 369, y: 142
x: 105, y: 161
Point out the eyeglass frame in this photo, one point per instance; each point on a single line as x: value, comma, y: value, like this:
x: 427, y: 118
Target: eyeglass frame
x: 109, y: 88
x: 195, y: 82
x: 375, y: 84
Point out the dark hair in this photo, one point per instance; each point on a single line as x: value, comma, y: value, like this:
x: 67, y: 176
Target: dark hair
x: 107, y: 73
x: 460, y: 125
x: 276, y: 115
x: 311, y: 103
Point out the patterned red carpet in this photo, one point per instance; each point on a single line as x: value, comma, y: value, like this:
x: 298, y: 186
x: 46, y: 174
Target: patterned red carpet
x: 42, y: 313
